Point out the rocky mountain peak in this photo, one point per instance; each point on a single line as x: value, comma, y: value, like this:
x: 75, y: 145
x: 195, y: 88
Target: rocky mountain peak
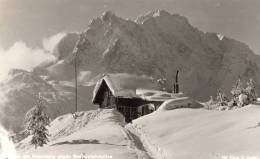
x: 108, y: 15
x: 157, y: 44
x: 160, y: 15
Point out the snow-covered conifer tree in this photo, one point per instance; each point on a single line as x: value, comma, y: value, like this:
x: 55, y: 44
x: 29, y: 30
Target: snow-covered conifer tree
x: 250, y: 90
x: 36, y: 121
x: 237, y: 89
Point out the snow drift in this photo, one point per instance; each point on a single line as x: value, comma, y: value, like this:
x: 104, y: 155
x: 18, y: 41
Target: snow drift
x: 199, y: 133
x: 96, y: 132
x: 182, y: 102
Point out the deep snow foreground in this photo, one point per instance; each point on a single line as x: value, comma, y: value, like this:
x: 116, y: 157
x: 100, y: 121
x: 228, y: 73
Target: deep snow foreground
x: 202, y: 134
x: 97, y: 132
x: 182, y: 133
x: 7, y: 148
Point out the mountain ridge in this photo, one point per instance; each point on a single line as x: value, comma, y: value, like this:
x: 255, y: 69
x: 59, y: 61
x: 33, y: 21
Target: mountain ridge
x: 159, y: 43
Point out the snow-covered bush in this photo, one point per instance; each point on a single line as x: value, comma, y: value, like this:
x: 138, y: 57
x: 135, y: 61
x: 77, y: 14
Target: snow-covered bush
x: 211, y: 101
x: 36, y: 121
x: 244, y: 96
x: 221, y: 99
x: 211, y: 104
x: 241, y: 95
x: 242, y: 100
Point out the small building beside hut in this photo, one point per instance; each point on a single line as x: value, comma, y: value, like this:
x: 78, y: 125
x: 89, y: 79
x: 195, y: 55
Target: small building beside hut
x: 131, y: 95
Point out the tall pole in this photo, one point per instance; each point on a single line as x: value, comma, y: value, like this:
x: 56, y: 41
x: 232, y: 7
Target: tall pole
x: 78, y: 47
x: 76, y: 82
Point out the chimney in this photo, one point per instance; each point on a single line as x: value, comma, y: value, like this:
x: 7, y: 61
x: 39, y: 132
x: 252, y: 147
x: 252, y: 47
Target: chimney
x: 176, y: 84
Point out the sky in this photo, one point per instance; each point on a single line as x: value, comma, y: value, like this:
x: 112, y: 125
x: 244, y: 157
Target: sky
x: 35, y: 26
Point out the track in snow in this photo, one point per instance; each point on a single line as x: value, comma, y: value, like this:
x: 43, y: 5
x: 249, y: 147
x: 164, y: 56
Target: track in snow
x: 152, y: 150
x: 135, y: 143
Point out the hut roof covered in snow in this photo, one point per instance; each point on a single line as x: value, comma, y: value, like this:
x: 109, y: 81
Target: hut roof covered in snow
x: 132, y: 86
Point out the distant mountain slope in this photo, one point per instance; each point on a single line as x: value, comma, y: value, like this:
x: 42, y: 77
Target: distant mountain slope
x: 157, y: 44
x: 19, y: 91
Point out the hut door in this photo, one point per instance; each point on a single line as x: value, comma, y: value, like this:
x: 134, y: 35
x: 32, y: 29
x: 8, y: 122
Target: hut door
x: 112, y: 101
x: 130, y: 113
x: 105, y: 100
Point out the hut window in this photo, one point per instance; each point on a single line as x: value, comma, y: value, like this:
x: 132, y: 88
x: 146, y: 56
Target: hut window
x: 149, y: 94
x: 166, y: 95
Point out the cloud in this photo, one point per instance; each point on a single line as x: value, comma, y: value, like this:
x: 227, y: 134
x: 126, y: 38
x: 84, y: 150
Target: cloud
x: 50, y: 43
x: 21, y: 56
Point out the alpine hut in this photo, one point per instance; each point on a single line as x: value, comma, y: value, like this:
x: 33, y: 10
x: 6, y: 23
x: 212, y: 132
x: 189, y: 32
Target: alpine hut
x: 132, y: 95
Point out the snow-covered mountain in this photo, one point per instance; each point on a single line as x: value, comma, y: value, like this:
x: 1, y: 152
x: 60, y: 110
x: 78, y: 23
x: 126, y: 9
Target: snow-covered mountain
x: 157, y: 44
x: 19, y: 93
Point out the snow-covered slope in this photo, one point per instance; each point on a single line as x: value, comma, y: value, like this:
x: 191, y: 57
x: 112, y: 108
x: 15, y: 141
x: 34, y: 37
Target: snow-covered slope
x: 202, y: 134
x: 97, y: 132
x: 157, y: 44
x: 180, y: 133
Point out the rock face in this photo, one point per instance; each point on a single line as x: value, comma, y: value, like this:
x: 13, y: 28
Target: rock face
x: 66, y: 45
x: 159, y: 43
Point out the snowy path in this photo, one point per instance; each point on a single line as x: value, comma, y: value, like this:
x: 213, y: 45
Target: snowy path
x: 135, y: 143
x: 150, y: 149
